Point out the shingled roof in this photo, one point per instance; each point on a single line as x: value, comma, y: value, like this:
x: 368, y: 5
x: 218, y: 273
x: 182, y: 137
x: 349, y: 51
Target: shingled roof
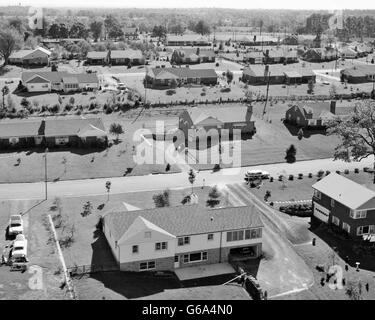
x: 58, y: 76
x: 223, y: 114
x: 186, y: 220
x: 184, y: 72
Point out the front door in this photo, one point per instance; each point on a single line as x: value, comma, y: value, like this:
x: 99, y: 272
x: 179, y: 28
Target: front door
x: 176, y: 261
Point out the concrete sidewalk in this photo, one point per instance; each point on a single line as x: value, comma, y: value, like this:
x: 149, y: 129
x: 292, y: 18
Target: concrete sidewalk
x: 203, y: 271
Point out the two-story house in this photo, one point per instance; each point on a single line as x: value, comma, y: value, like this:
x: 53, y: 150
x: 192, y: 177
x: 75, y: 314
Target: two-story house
x: 344, y: 203
x: 175, y: 237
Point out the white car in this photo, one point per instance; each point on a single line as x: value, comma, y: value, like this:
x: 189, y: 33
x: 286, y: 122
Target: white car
x: 257, y: 173
x: 19, y: 249
x: 326, y: 83
x: 15, y: 224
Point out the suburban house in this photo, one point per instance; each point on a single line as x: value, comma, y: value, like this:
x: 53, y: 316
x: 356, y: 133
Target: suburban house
x: 276, y: 74
x: 192, y: 56
x: 345, y: 204
x: 52, y: 132
x: 254, y: 57
x: 175, y: 237
x: 358, y: 74
x: 115, y: 57
x: 166, y: 77
x: 280, y: 56
x: 202, y: 120
x: 187, y: 40
x: 291, y: 40
x: 250, y: 40
x: 320, y: 54
x: 348, y: 53
x: 131, y: 33
x: 97, y: 57
x: 316, y: 114
x: 26, y: 58
x: 49, y: 81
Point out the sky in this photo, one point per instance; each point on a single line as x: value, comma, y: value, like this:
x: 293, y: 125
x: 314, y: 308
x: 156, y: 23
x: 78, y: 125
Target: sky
x: 237, y: 4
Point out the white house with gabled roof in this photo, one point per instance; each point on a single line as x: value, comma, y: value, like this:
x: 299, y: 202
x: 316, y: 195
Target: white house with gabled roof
x: 174, y: 237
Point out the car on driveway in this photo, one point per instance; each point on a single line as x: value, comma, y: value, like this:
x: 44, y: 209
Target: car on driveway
x: 15, y: 225
x: 19, y: 249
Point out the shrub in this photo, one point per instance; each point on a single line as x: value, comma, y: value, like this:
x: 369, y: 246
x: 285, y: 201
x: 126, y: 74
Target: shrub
x: 217, y: 64
x: 225, y: 89
x: 320, y: 173
x: 271, y: 179
x: 291, y: 177
x: 300, y: 175
x: 356, y: 170
x: 338, y: 171
x: 346, y: 171
x: 366, y: 169
x: 281, y: 177
x: 170, y: 92
x: 310, y: 175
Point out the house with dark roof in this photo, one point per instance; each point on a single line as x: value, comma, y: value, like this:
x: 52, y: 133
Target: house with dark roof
x: 280, y: 56
x: 166, y: 77
x: 47, y: 81
x: 276, y: 74
x: 254, y: 57
x: 76, y: 132
x: 115, y: 57
x: 192, y: 56
x: 316, y: 114
x: 346, y: 204
x: 176, y: 237
x: 37, y: 57
x: 358, y: 74
x: 196, y: 122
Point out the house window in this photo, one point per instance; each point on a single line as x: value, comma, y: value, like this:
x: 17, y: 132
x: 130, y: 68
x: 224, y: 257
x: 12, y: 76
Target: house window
x: 135, y: 249
x: 148, y: 234
x: 235, y: 235
x: 358, y: 214
x: 210, y: 236
x: 149, y: 265
x: 365, y: 230
x: 195, y: 257
x: 346, y: 227
x: 161, y: 246
x: 335, y: 221
x: 176, y: 259
x: 317, y: 194
x: 332, y: 203
x: 183, y: 241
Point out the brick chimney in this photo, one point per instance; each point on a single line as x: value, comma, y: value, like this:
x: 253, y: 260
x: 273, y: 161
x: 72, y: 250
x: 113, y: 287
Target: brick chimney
x: 332, y: 108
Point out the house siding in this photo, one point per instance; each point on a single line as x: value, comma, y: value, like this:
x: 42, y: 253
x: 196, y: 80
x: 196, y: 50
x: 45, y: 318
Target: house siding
x: 343, y: 213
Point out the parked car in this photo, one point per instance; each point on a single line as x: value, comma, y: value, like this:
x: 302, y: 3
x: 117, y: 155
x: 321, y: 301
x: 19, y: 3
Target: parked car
x: 19, y: 249
x: 326, y: 83
x: 15, y: 225
x: 257, y: 173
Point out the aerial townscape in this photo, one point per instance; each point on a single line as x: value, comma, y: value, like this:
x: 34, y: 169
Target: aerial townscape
x: 186, y: 153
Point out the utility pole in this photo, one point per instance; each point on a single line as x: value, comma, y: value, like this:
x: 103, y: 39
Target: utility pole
x: 45, y: 172
x: 268, y: 86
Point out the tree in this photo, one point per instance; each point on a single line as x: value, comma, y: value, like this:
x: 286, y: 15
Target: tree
x: 84, y: 48
x: 202, y: 28
x: 311, y: 86
x: 112, y: 27
x: 229, y: 75
x: 54, y: 31
x: 214, y: 196
x: 87, y: 209
x: 10, y: 39
x: 108, y: 188
x: 300, y: 134
x: 159, y: 31
x: 291, y: 154
x: 25, y: 103
x: 249, y: 96
x: 191, y: 177
x: 4, y: 91
x: 176, y: 29
x: 332, y: 91
x: 162, y: 199
x: 78, y: 30
x: 357, y: 133
x: 116, y: 129
x: 96, y: 28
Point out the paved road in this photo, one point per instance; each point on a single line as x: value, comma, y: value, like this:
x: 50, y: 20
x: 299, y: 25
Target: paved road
x: 157, y: 182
